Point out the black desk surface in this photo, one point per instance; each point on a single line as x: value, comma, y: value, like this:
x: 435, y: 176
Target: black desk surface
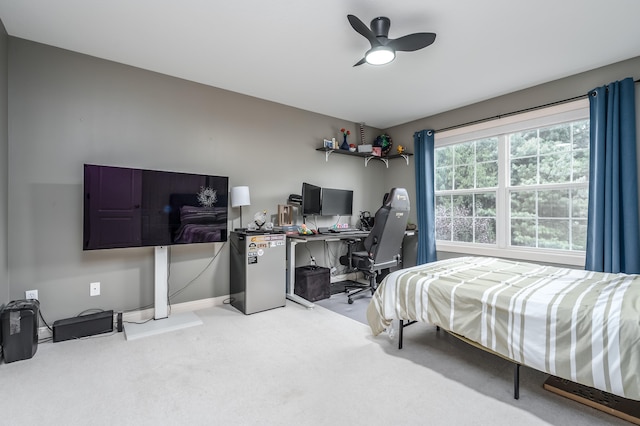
x: 328, y: 235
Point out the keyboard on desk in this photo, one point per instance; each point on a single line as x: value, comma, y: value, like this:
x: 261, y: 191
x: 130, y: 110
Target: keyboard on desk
x: 341, y: 230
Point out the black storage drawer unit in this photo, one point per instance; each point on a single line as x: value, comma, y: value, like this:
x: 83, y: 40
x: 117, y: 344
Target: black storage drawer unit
x: 312, y: 283
x: 19, y: 329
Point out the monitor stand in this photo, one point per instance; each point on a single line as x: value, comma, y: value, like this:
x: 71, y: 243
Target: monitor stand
x: 161, y: 322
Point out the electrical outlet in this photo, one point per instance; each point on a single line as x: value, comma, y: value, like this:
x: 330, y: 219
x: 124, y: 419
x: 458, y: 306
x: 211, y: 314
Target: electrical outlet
x: 94, y: 289
x: 31, y: 294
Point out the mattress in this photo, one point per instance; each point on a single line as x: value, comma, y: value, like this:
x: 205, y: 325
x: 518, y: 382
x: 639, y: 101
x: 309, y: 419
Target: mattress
x: 583, y: 326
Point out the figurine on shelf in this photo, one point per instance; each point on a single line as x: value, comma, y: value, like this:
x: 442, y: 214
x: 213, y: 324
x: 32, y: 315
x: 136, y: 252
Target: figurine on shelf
x: 400, y: 149
x: 352, y: 147
x: 384, y: 142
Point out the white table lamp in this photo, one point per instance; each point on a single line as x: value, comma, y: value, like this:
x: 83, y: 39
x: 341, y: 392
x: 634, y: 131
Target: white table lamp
x: 240, y: 197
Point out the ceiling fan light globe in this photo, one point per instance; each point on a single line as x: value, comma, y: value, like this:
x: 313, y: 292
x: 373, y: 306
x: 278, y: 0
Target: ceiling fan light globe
x: 380, y: 55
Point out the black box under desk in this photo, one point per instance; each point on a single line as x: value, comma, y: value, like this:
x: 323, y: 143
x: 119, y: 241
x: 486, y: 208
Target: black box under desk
x: 312, y: 283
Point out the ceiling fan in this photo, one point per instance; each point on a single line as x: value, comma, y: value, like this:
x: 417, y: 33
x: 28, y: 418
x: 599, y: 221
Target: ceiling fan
x: 383, y: 49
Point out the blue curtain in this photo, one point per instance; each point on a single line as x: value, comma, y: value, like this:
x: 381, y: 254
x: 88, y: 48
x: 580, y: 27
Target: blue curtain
x: 613, y: 237
x: 425, y: 198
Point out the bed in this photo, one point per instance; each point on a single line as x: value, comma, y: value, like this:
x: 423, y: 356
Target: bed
x: 578, y: 325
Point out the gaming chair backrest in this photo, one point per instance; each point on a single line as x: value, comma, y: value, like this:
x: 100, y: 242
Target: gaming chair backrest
x: 385, y: 239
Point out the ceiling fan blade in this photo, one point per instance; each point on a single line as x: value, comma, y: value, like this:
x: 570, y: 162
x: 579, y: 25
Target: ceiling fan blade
x: 360, y: 62
x: 363, y: 30
x: 412, y: 42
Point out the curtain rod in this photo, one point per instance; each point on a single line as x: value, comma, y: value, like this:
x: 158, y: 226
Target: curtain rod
x: 508, y: 114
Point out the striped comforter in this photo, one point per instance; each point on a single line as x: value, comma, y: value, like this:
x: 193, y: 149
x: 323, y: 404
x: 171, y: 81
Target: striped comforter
x: 579, y: 325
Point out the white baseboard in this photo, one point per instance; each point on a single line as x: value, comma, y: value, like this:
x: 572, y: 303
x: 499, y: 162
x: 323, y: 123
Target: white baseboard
x: 145, y: 314
x: 176, y: 308
x: 44, y: 333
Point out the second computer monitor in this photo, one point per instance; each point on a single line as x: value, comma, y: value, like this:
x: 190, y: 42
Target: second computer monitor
x: 311, y: 199
x: 337, y: 202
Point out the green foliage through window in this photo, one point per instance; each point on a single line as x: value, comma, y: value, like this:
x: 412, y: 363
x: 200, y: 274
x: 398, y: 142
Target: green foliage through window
x: 546, y: 188
x: 467, y: 165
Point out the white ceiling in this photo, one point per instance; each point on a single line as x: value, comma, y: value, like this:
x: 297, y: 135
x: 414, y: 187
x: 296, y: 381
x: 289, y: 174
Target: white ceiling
x: 300, y: 53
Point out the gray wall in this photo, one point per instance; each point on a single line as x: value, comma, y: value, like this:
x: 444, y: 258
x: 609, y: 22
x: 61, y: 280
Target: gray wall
x: 66, y: 109
x: 555, y: 91
x: 4, y: 274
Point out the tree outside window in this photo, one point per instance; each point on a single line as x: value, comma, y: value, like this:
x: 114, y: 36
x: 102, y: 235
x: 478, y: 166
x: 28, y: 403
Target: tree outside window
x: 545, y: 186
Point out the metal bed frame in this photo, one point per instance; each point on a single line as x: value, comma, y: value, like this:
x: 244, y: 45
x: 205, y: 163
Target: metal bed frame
x: 516, y: 369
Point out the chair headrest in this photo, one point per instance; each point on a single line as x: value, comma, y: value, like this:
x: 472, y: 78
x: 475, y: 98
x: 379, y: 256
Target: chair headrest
x: 398, y: 199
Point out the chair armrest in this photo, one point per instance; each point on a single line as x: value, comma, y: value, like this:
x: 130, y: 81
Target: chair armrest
x: 351, y: 240
x: 389, y: 264
x: 360, y: 253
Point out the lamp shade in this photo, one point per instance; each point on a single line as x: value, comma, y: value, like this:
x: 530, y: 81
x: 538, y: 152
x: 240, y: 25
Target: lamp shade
x: 240, y: 196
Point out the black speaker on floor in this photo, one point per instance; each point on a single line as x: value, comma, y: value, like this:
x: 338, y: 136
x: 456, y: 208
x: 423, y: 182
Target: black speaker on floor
x: 20, y: 329
x: 83, y: 326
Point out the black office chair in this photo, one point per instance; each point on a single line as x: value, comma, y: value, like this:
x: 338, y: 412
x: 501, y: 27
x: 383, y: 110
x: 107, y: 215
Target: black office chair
x: 382, y: 247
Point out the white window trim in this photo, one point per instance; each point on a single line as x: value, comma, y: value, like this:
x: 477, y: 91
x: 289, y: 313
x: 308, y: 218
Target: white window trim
x: 570, y: 111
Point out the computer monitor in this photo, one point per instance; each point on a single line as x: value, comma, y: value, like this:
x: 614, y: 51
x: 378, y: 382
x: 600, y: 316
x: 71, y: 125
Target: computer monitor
x: 311, y: 199
x: 337, y: 202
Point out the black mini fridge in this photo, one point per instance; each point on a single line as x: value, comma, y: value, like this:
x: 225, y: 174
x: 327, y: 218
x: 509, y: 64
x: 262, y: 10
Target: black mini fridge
x: 19, y: 320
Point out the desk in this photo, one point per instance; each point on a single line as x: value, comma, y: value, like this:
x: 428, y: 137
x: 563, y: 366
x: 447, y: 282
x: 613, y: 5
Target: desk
x: 293, y: 240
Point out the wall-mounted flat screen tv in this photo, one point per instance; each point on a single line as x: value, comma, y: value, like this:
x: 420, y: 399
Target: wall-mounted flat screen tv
x: 311, y: 199
x: 337, y: 202
x: 125, y: 207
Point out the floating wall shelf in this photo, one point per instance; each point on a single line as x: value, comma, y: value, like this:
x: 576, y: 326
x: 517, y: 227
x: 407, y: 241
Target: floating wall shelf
x: 366, y: 155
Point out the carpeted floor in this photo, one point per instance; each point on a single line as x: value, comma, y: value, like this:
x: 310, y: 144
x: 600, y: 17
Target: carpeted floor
x: 338, y: 303
x: 479, y: 362
x: 285, y: 366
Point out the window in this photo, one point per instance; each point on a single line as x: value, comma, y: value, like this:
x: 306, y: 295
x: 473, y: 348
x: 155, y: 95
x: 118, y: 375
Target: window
x: 516, y: 187
x: 466, y: 181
